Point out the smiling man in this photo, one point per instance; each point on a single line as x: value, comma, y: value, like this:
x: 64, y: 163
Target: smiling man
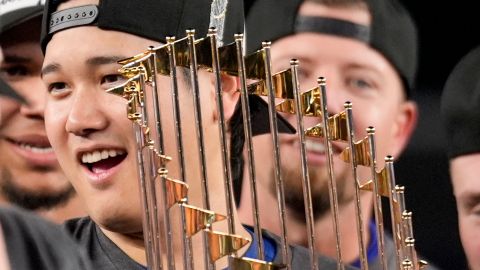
x: 92, y: 135
x: 30, y: 175
x: 366, y: 49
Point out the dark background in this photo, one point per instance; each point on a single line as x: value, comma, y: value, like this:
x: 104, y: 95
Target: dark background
x: 446, y: 33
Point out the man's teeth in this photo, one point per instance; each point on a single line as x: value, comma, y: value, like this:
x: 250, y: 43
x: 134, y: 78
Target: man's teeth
x: 36, y: 149
x: 314, y: 146
x: 96, y: 156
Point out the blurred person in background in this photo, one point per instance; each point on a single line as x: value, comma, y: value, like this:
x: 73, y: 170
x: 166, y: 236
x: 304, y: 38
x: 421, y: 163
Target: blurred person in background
x: 461, y: 119
x: 30, y: 175
x: 367, y: 51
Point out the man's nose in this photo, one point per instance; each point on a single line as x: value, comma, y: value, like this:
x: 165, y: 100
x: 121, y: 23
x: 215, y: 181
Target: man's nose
x: 35, y: 97
x: 86, y: 115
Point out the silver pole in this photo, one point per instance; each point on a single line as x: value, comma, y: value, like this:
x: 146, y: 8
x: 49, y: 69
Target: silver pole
x: 393, y: 201
x: 199, y: 128
x: 279, y: 185
x: 377, y: 201
x: 307, y: 190
x: 358, y: 210
x: 227, y: 175
x: 187, y: 244
x: 332, y: 184
x: 247, y: 126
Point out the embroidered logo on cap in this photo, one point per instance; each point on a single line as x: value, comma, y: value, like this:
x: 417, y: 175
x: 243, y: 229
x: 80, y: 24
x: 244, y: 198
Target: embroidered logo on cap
x: 217, y: 18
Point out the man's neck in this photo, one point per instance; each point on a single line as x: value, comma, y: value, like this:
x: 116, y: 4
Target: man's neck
x: 134, y: 246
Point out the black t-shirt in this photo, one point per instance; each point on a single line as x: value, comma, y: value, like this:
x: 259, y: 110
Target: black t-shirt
x: 35, y: 244
x: 105, y: 255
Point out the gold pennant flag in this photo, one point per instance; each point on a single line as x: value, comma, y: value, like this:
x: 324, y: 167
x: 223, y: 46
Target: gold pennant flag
x: 198, y: 219
x: 286, y: 106
x: 245, y: 263
x: 315, y: 131
x: 338, y: 127
x: 383, y: 184
x: 362, y: 153
x: 133, y: 59
x: 176, y: 191
x: 132, y: 85
x: 282, y: 83
x: 255, y: 65
x: 310, y: 104
x: 228, y: 59
x: 222, y: 244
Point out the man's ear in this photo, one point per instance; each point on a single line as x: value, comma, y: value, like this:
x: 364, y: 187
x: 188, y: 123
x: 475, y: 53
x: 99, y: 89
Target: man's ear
x: 230, y: 95
x: 405, y: 124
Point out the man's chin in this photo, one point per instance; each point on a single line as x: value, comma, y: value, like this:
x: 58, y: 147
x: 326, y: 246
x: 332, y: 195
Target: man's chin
x: 34, y: 198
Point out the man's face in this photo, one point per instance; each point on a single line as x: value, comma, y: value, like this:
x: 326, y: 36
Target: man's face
x: 29, y: 172
x: 89, y: 128
x: 464, y: 173
x: 355, y: 73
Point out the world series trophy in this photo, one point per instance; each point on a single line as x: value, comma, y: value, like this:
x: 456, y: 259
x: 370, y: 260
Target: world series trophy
x: 160, y: 193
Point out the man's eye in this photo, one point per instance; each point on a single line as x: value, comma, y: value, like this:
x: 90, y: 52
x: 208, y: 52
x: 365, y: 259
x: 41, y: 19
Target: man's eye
x: 13, y: 71
x: 56, y: 88
x: 359, y: 84
x: 303, y: 75
x: 112, y: 79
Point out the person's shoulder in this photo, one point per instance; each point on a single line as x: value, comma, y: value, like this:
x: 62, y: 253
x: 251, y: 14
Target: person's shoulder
x: 300, y: 256
x: 35, y: 243
x: 301, y: 259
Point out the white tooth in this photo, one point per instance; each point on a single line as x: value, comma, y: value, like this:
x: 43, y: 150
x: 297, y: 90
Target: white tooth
x: 84, y: 158
x: 104, y: 154
x: 112, y: 153
x: 91, y: 157
x: 88, y: 157
x: 120, y: 152
x: 97, y: 155
x: 315, y: 146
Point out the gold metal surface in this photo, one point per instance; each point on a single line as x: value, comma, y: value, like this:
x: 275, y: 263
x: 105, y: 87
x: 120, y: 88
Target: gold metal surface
x: 282, y: 84
x: 252, y: 264
x: 310, y: 104
x: 199, y: 219
x: 361, y: 151
x: 176, y: 191
x: 222, y: 244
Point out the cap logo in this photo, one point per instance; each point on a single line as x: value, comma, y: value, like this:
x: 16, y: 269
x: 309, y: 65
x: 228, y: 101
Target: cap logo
x: 7, y: 6
x: 72, y: 17
x: 217, y: 18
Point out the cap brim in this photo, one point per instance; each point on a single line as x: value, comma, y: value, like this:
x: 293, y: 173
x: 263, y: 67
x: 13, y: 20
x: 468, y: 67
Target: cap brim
x: 16, y: 17
x: 7, y: 91
x: 260, y: 118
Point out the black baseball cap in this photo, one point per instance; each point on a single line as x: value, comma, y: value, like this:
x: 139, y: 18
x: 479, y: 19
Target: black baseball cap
x: 459, y: 106
x: 156, y: 20
x: 151, y: 19
x: 15, y: 12
x: 392, y: 31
